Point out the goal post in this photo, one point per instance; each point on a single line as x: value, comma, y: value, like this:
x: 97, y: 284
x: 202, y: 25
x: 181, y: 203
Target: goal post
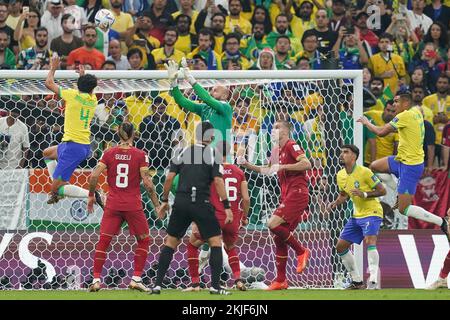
x: 322, y: 106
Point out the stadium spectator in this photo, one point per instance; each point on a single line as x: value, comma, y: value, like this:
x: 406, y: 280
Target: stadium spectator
x: 376, y: 87
x: 235, y: 22
x: 51, y: 19
x: 244, y: 125
x: 157, y: 134
x: 218, y: 28
x: 86, y: 54
x: 385, y: 17
x: 14, y: 141
x: 282, y: 48
x: 108, y: 65
x: 439, y: 103
x: 252, y: 46
x: 168, y: 51
x: 261, y: 16
x: 187, y: 9
x: 90, y: 8
x: 15, y: 8
x: 405, y: 41
x: 231, y: 52
x: 418, y: 77
x: 302, y: 19
x: 349, y: 50
x: 160, y: 13
x: 140, y: 37
x: 266, y: 60
x: 438, y: 11
x: 420, y: 22
x: 365, y: 33
x: 208, y: 8
x: 104, y: 36
x: 135, y: 7
x: 4, y: 27
x: 325, y: 36
x: 37, y: 57
x: 186, y: 41
x: 134, y: 57
x: 303, y: 63
x: 123, y: 23
x: 205, y: 49
x: 367, y: 76
x: 338, y: 18
x: 310, y: 50
x: 437, y: 34
x: 429, y: 63
x: 282, y: 29
x: 417, y: 95
x: 116, y: 56
x: 199, y: 63
x: 78, y: 13
x: 138, y: 107
x: 384, y: 146
x: 280, y: 110
x: 67, y: 42
x: 387, y: 65
x: 24, y: 33
x: 7, y: 56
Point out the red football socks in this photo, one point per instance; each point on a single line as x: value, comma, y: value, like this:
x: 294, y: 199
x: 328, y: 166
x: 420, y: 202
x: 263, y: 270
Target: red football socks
x: 446, y: 268
x: 140, y: 256
x: 100, y: 254
x: 284, y: 233
x: 233, y: 261
x: 281, y: 256
x: 192, y: 255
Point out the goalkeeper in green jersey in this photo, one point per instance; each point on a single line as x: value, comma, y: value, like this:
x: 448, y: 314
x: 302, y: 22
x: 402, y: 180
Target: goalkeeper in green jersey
x: 215, y: 107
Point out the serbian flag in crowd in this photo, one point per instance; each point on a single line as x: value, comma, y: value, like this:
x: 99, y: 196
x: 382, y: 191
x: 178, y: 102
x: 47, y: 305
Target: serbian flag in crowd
x: 432, y: 194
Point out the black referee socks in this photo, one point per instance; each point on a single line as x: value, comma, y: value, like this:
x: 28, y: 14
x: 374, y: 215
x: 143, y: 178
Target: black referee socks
x: 215, y: 262
x: 163, y: 264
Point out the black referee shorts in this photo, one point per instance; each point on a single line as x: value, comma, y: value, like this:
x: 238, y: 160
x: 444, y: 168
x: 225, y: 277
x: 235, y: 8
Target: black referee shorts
x: 185, y: 212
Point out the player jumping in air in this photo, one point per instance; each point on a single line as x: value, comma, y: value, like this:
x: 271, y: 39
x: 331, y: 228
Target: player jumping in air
x: 291, y: 169
x: 363, y: 187
x: 237, y: 189
x: 126, y: 166
x: 408, y: 165
x: 63, y: 159
x: 442, y: 281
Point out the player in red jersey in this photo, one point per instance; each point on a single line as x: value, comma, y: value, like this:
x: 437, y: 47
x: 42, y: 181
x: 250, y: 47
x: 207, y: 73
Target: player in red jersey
x: 290, y: 163
x: 237, y: 191
x: 126, y: 166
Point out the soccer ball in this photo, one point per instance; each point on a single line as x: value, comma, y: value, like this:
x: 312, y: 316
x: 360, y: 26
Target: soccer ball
x: 104, y: 19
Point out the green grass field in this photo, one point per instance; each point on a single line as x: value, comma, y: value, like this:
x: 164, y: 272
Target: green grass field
x: 385, y: 294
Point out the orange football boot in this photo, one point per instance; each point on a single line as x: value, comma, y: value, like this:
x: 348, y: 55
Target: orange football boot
x: 302, y: 261
x: 278, y: 285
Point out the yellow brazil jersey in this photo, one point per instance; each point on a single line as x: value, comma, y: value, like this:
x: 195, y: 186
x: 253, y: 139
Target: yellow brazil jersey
x: 184, y: 44
x: 206, y: 55
x: 385, y: 145
x: 379, y: 65
x: 379, y: 106
x: 138, y: 109
x: 150, y: 39
x: 298, y: 26
x: 160, y: 55
x: 218, y: 44
x: 78, y: 113
x: 244, y: 24
x: 411, y: 131
x: 436, y: 106
x: 193, y: 17
x: 121, y: 24
x: 361, y: 178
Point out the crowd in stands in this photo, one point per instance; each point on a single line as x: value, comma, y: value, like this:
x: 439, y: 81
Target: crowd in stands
x: 401, y: 45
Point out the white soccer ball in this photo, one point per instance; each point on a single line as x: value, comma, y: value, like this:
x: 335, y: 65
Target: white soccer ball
x: 104, y: 19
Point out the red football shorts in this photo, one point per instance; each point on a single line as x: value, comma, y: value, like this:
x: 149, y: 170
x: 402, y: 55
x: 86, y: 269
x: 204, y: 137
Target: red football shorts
x: 230, y: 231
x: 293, y: 208
x: 112, y: 221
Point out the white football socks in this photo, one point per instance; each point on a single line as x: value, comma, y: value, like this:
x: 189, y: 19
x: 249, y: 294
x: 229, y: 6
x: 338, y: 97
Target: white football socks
x: 422, y: 214
x: 51, y: 166
x: 350, y: 264
x: 72, y: 191
x: 373, y: 258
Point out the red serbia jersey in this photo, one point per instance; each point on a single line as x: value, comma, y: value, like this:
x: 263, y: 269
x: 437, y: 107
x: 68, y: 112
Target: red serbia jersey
x: 124, y: 177
x: 233, y: 177
x: 289, y: 180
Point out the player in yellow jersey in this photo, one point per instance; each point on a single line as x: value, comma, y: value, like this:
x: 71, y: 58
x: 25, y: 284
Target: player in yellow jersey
x: 63, y: 159
x: 408, y: 165
x: 363, y: 187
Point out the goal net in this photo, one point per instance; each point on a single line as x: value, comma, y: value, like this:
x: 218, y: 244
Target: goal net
x: 52, y: 246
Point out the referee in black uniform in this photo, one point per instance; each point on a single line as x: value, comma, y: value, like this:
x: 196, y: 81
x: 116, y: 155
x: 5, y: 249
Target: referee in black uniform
x: 197, y: 169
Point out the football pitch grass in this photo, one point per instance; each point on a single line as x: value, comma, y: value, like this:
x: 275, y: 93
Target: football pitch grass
x: 292, y: 294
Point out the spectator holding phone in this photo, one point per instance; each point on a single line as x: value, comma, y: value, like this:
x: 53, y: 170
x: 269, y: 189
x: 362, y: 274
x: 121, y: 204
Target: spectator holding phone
x: 29, y: 21
x: 349, y: 50
x: 405, y: 42
x: 437, y: 34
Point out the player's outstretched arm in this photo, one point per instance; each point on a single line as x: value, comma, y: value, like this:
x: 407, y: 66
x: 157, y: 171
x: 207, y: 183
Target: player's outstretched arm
x: 180, y: 99
x: 201, y: 92
x: 50, y: 81
x: 260, y: 169
x: 149, y: 186
x: 379, y: 131
x: 93, y: 181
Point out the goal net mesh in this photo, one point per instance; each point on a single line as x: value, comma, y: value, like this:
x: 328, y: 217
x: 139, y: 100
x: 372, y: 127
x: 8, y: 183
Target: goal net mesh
x: 52, y: 246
